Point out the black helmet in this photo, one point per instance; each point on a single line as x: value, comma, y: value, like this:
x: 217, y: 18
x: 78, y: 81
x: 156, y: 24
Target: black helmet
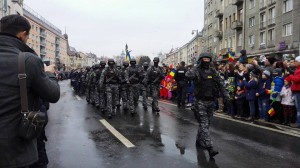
x: 102, y: 63
x: 155, y: 59
x: 125, y: 64
x: 111, y: 62
x: 88, y: 68
x: 132, y: 61
x: 205, y: 55
x: 97, y: 66
x: 145, y: 64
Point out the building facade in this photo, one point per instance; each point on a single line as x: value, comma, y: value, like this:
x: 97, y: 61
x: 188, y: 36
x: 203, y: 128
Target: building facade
x: 46, y: 39
x: 272, y: 26
x: 259, y: 26
x: 9, y: 7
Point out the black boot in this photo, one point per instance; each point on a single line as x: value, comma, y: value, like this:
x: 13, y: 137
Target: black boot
x: 212, y: 152
x: 285, y: 122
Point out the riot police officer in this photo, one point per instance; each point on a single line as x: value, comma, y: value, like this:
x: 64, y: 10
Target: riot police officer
x: 144, y: 88
x: 132, y: 77
x: 110, y: 79
x: 153, y: 77
x: 181, y: 85
x: 208, y: 84
x: 123, y: 87
x: 100, y: 92
x: 83, y: 80
x: 93, y: 84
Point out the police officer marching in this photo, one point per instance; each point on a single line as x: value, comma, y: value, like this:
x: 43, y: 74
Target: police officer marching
x: 132, y: 77
x: 181, y: 85
x: 143, y: 87
x: 153, y: 77
x: 207, y: 85
x: 100, y: 92
x: 109, y: 81
x: 124, y: 86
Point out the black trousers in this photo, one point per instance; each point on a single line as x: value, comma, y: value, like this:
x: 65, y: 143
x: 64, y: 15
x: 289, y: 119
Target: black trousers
x: 41, y: 147
x: 181, y: 94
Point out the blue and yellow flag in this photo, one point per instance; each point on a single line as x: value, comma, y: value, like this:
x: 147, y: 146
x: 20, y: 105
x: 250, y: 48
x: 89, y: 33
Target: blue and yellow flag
x: 127, y: 58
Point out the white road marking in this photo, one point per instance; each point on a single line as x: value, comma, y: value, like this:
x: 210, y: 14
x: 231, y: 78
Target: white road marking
x: 117, y: 134
x: 78, y: 98
x: 292, y: 133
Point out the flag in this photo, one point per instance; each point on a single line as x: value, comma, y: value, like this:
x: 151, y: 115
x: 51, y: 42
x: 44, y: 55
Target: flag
x: 230, y: 56
x: 271, y: 112
x: 127, y: 53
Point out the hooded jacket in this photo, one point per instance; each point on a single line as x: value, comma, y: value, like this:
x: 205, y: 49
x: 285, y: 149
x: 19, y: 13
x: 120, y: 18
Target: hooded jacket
x: 14, y: 151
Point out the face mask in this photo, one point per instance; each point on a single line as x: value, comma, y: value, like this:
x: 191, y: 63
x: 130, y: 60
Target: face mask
x: 205, y: 65
x: 156, y: 64
x: 145, y: 68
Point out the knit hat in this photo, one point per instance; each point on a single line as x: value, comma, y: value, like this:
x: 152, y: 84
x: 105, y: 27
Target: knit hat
x: 267, y: 73
x: 243, y: 52
x: 297, y: 59
x: 254, y: 73
x: 271, y: 60
x: 277, y: 70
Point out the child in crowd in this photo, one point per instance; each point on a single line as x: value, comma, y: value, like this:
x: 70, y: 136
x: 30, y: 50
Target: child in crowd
x: 264, y: 84
x: 240, y: 97
x: 276, y: 87
x: 288, y: 102
x: 251, y: 87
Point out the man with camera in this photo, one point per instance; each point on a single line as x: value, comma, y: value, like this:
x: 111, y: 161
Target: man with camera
x: 16, y: 151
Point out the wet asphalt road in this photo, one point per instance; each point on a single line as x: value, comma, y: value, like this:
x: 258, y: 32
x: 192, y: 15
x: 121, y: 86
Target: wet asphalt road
x: 76, y: 139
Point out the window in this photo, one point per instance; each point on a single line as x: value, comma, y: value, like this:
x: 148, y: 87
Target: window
x: 230, y: 21
x: 240, y: 40
x: 252, y: 4
x: 251, y: 39
x: 225, y: 44
x: 252, y: 22
x: 271, y: 35
x: 272, y: 15
x: 288, y: 29
x: 287, y: 5
x: 263, y: 3
x: 263, y: 37
x: 263, y: 20
x: 226, y: 24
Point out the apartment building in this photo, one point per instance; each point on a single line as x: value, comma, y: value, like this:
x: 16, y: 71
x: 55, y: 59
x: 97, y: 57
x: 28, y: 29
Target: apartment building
x: 259, y: 26
x: 46, y: 39
x: 9, y: 7
x: 272, y: 26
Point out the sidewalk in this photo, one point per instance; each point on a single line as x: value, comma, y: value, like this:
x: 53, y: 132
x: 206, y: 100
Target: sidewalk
x: 260, y: 124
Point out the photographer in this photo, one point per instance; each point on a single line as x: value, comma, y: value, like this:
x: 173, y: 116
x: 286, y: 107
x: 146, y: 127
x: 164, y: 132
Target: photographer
x: 41, y: 84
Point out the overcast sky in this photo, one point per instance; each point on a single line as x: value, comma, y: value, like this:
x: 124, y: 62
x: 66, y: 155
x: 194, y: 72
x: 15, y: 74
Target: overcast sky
x: 105, y: 26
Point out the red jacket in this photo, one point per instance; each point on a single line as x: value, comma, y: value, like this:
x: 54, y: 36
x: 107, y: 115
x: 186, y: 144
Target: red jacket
x: 295, y: 78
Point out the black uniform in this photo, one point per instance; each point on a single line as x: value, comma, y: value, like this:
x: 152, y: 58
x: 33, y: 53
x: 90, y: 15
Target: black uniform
x: 181, y: 85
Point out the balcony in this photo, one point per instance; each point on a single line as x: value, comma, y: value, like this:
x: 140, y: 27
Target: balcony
x: 57, y: 42
x: 218, y: 34
x: 263, y: 5
x: 237, y: 2
x: 272, y: 2
x: 237, y: 24
x: 263, y: 25
x: 271, y: 22
x: 262, y: 46
x: 43, y: 34
x: 219, y: 14
x: 271, y: 44
x: 43, y: 52
x: 43, y: 43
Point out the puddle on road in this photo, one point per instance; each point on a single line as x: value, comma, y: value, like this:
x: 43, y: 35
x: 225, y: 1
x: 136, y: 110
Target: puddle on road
x: 174, y: 148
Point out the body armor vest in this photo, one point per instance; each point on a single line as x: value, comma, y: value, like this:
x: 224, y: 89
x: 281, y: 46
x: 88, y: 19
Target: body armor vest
x: 133, y: 75
x: 153, y: 75
x: 111, y: 76
x: 205, y: 85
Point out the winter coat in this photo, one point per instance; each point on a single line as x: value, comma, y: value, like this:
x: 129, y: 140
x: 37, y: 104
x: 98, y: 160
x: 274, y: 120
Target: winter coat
x: 295, y: 78
x: 14, y: 151
x: 263, y: 85
x: 251, y: 87
x: 287, y: 96
x: 276, y: 87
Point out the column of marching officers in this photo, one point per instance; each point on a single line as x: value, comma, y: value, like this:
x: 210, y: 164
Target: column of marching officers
x: 107, y: 86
